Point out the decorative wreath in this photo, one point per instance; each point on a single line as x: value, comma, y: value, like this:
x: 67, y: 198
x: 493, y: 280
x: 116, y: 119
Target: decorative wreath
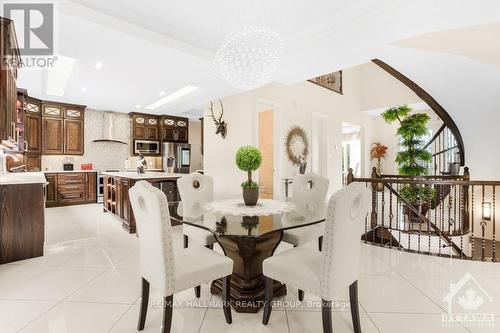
x: 297, y: 145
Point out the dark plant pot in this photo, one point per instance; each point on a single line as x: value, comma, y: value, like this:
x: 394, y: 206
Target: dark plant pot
x: 414, y: 217
x: 454, y: 168
x: 251, y: 196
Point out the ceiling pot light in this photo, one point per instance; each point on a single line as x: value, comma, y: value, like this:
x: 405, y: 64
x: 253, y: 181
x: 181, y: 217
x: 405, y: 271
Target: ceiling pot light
x: 99, y: 65
x: 161, y: 93
x: 138, y: 106
x: 248, y: 56
x: 84, y: 90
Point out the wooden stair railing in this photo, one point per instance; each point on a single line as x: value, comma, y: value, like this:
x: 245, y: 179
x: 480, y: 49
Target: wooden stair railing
x: 446, y: 145
x: 423, y: 218
x: 398, y: 215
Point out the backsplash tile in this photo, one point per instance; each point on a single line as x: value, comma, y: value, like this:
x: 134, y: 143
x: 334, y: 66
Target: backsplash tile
x: 102, y: 155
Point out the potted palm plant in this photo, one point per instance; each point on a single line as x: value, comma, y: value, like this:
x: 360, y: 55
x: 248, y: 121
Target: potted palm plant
x: 413, y: 159
x: 249, y: 158
x: 378, y: 152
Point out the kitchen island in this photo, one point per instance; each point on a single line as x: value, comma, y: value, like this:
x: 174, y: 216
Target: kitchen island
x: 22, y: 223
x: 117, y: 184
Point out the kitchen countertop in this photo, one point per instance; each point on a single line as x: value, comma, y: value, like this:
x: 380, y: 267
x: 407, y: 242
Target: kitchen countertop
x: 147, y: 175
x: 68, y: 171
x: 17, y: 178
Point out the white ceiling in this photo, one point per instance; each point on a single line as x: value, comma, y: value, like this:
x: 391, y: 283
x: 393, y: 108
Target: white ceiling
x: 480, y: 42
x: 152, y: 45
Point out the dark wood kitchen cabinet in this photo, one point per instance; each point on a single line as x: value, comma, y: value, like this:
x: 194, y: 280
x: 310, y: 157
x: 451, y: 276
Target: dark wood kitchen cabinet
x: 144, y: 127
x: 63, y: 128
x: 8, y: 76
x: 71, y: 188
x: 138, y: 126
x: 73, y: 137
x: 32, y: 130
x: 51, y: 190
x: 91, y: 187
x: 123, y: 207
x: 174, y: 129
x: 52, y: 136
x: 22, y: 222
x: 32, y: 134
x: 116, y: 198
x: 152, y: 128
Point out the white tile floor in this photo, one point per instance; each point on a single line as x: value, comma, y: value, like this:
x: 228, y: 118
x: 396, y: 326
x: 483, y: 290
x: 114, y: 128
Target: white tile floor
x: 88, y: 281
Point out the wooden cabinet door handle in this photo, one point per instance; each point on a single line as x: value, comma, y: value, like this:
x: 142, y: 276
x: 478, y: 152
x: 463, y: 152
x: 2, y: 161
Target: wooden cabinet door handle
x: 71, y: 195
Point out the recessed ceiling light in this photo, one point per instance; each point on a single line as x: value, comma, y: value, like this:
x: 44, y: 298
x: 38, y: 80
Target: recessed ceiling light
x: 138, y: 106
x: 161, y: 93
x: 84, y: 90
x: 172, y: 97
x: 98, y: 65
x: 58, y: 75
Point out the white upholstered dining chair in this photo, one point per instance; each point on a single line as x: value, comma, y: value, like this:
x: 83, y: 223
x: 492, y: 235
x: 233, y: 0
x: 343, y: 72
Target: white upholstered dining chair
x: 308, y: 192
x: 195, y: 190
x: 167, y: 271
x: 328, y: 274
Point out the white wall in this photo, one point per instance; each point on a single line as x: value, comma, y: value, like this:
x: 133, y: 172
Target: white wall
x: 194, y: 131
x: 219, y: 154
x: 294, y: 105
x: 195, y: 141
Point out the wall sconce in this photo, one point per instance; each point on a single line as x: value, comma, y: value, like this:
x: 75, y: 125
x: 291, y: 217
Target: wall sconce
x: 487, y: 211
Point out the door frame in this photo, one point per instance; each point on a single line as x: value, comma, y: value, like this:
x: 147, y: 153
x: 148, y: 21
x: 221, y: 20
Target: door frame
x: 261, y: 105
x: 362, y: 147
x: 324, y: 138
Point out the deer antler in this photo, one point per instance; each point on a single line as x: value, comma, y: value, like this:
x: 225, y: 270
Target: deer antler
x: 222, y: 110
x: 212, y: 112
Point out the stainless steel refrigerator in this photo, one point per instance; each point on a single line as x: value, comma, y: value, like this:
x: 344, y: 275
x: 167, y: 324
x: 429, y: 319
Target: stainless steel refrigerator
x: 178, y: 157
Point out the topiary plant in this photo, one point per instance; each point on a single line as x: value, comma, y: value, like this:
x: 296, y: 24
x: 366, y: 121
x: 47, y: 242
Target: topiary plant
x: 248, y: 158
x: 413, y: 159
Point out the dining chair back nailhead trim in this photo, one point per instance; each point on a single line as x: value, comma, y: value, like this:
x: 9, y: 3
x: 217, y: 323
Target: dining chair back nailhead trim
x: 152, y: 218
x: 347, y: 210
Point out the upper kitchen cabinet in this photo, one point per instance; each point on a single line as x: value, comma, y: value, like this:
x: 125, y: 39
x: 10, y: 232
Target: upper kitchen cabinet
x: 174, y: 129
x: 144, y: 127
x: 8, y: 76
x: 53, y: 136
x: 138, y: 127
x: 152, y: 128
x: 63, y: 128
x: 52, y: 110
x: 73, y: 137
x: 33, y: 126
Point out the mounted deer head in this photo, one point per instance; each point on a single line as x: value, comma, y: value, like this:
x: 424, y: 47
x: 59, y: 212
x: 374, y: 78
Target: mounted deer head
x: 219, y: 123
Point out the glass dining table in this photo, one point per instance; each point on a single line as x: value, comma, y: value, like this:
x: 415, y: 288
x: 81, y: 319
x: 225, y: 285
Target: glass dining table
x: 249, y: 240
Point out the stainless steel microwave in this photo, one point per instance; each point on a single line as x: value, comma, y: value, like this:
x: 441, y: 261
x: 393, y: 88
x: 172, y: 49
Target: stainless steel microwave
x: 147, y: 147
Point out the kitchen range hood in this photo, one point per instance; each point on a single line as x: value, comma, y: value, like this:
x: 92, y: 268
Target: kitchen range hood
x: 110, y: 132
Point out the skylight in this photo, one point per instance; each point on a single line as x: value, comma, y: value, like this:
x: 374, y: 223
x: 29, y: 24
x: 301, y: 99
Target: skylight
x: 58, y: 76
x: 172, y: 97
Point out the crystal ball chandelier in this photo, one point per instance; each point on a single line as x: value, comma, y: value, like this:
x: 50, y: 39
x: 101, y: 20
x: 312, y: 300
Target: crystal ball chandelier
x: 248, y: 56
